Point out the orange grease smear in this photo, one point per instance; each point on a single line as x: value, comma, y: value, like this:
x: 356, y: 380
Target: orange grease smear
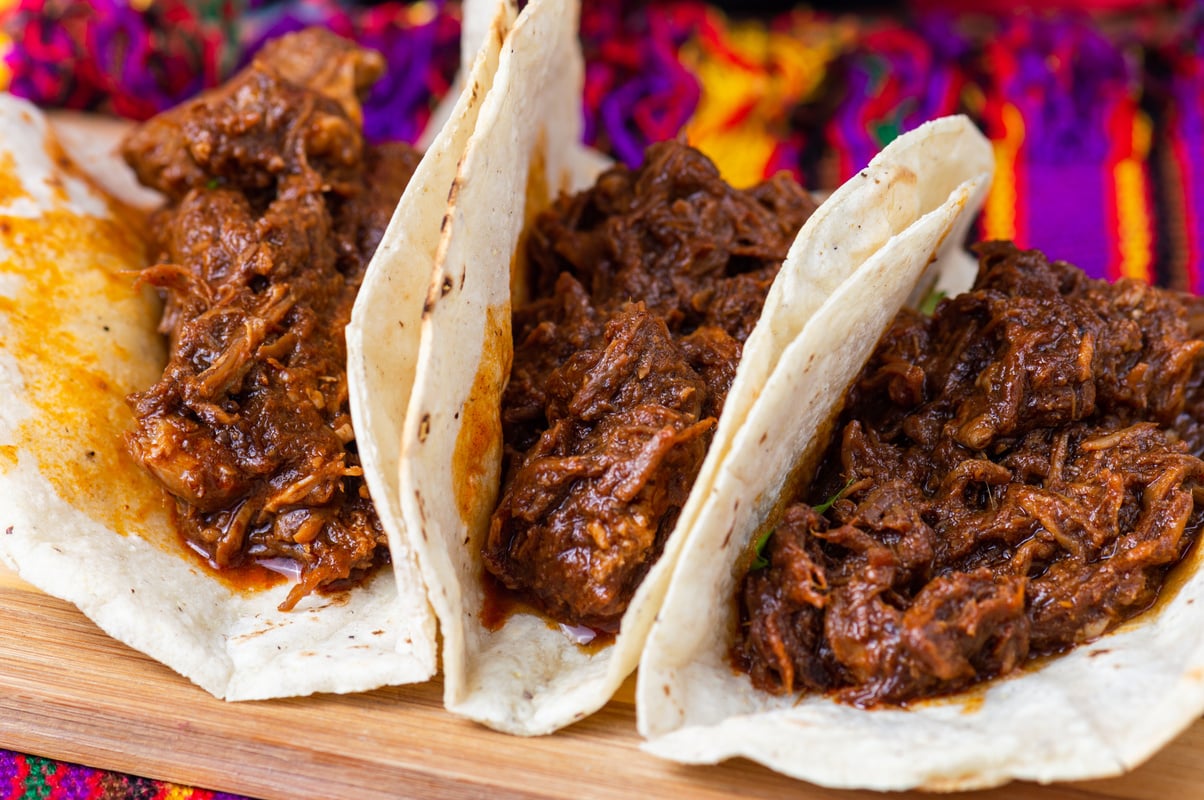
x: 73, y: 329
x: 84, y: 336
x: 479, y: 440
x: 11, y: 189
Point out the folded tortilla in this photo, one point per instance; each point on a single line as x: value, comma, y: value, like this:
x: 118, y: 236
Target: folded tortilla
x: 529, y: 677
x: 81, y: 520
x: 1096, y: 711
x: 524, y: 150
x: 383, y: 334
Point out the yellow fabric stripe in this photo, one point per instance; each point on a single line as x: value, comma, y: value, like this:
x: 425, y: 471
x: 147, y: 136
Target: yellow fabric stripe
x: 1132, y: 210
x: 999, y: 213
x: 741, y: 103
x: 6, y: 44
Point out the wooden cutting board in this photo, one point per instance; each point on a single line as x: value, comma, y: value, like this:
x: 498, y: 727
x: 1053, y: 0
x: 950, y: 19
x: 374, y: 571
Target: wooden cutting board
x: 69, y: 692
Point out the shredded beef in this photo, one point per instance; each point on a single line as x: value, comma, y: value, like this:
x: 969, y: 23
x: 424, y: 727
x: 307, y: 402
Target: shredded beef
x: 645, y: 288
x: 275, y: 208
x: 1012, y: 481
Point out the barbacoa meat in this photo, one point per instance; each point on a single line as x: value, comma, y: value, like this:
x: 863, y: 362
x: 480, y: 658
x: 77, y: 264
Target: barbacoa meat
x: 645, y: 288
x: 1016, y: 475
x: 276, y: 205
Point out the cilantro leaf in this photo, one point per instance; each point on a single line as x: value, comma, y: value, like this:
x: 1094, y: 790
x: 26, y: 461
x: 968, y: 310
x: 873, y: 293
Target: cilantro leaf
x: 761, y: 562
x: 931, y: 300
x: 823, y: 507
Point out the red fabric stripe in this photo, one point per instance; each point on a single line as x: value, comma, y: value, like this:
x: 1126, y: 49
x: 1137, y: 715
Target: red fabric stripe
x: 1191, y: 207
x: 54, y: 780
x: 1120, y: 134
x: 18, y: 785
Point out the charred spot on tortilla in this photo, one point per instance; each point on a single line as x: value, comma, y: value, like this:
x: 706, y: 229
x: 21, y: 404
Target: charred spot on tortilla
x: 727, y: 537
x: 644, y: 289
x: 1015, y: 483
x: 275, y: 206
x: 428, y: 304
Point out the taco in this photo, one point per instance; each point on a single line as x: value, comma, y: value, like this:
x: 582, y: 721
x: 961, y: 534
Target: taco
x: 557, y: 434
x: 958, y: 565
x: 219, y: 520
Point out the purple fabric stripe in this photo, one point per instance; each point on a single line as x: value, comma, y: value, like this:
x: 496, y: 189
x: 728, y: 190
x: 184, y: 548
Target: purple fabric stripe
x: 10, y: 769
x: 1067, y: 217
x: 74, y: 782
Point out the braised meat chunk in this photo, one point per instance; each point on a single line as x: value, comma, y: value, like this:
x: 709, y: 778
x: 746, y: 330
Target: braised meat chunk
x: 1011, y: 480
x: 645, y: 289
x: 276, y: 205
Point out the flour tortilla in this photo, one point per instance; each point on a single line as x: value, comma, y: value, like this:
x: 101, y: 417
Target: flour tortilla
x: 528, y: 677
x: 1097, y: 711
x: 476, y: 23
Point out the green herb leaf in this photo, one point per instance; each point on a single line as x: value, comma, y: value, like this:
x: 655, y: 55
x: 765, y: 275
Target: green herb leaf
x: 213, y: 183
x: 823, y: 507
x: 931, y: 300
x: 761, y: 562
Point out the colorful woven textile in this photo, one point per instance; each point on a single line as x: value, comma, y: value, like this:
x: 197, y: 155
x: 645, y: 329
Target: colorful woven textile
x: 29, y: 778
x: 1096, y: 119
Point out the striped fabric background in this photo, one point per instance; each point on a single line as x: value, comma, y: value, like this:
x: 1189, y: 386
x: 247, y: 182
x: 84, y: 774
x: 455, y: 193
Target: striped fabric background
x: 1096, y: 115
x: 25, y: 777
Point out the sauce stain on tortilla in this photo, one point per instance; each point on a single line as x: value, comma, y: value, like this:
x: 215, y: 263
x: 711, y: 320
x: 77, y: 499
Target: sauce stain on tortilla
x: 11, y: 189
x: 499, y: 604
x: 971, y: 700
x: 79, y: 332
x: 76, y: 329
x: 476, y: 458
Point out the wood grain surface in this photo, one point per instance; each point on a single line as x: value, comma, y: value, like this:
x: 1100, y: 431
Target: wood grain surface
x: 69, y: 692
